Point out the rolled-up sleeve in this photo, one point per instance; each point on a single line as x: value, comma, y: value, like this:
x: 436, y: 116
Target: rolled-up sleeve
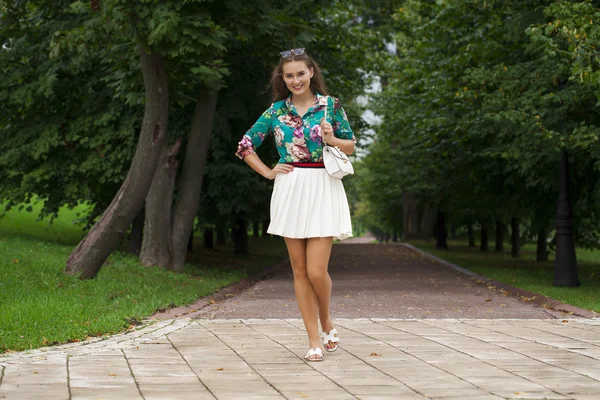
x: 255, y: 135
x: 341, y: 126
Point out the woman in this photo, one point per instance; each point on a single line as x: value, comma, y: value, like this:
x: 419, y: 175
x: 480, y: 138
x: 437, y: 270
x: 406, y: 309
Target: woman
x: 308, y: 207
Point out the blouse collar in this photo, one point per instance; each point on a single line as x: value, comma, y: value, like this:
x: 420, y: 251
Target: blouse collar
x: 320, y: 101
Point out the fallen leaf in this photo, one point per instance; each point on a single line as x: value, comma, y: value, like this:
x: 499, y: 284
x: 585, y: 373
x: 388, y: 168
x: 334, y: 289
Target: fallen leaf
x: 112, y: 374
x: 488, y: 299
x: 565, y: 320
x: 220, y: 369
x: 375, y: 354
x: 35, y: 372
x: 211, y: 301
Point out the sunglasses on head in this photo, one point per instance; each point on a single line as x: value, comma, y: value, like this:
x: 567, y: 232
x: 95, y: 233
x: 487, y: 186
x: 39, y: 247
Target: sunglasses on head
x: 292, y: 52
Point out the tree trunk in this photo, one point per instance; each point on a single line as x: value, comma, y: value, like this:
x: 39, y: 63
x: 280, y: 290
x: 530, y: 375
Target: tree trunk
x: 428, y: 222
x: 411, y: 216
x: 191, y: 177
x: 471, y: 235
x: 542, y: 246
x: 135, y: 237
x: 440, y: 232
x: 208, y: 238
x: 240, y: 236
x: 255, y: 230
x: 516, y: 238
x: 500, y: 228
x: 156, y: 247
x: 221, y: 238
x: 190, y: 245
x: 108, y: 232
x: 265, y: 228
x: 394, y: 238
x: 484, y: 237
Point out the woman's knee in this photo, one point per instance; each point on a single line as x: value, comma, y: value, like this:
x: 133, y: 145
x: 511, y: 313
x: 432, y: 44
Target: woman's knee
x: 317, y: 272
x: 299, y: 270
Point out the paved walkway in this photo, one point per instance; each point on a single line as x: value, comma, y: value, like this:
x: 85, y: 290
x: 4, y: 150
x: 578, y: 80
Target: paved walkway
x: 437, y: 336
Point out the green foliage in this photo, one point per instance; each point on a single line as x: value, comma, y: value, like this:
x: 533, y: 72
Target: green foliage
x: 479, y: 103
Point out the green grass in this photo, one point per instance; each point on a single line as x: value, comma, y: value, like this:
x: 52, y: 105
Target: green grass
x: 525, y: 272
x: 41, y: 305
x: 64, y: 229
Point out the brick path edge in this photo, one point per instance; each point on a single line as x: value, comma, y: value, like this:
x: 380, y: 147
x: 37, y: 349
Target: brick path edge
x: 521, y: 294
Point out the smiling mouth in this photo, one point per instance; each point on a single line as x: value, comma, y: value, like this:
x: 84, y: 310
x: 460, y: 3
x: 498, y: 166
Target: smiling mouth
x: 298, y: 87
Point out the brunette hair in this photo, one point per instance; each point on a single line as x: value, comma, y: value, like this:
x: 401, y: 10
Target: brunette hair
x: 280, y: 90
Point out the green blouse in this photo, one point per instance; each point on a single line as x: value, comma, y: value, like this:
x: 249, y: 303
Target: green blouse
x: 297, y: 138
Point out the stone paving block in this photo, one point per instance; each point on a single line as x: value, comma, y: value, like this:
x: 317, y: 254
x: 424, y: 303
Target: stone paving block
x: 310, y: 394
x: 386, y: 397
x: 531, y: 395
x: 473, y: 392
x: 172, y: 391
x: 476, y: 397
x: 398, y: 389
x: 580, y: 385
x: 58, y: 391
x: 105, y: 394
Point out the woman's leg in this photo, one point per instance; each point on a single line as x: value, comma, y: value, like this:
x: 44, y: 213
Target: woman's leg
x: 305, y: 294
x: 318, y: 251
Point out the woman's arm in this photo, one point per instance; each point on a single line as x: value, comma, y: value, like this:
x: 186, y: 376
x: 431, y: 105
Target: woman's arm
x: 256, y: 164
x: 346, y: 146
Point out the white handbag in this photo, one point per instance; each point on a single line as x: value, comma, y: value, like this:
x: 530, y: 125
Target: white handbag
x: 336, y: 161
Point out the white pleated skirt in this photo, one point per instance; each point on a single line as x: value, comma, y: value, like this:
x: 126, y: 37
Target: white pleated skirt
x: 307, y: 203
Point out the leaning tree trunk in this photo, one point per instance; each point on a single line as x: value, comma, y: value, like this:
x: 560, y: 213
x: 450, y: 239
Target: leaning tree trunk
x: 516, y: 238
x: 136, y: 236
x: 500, y: 227
x: 484, y: 237
x: 265, y: 228
x: 542, y: 246
x: 156, y: 247
x: 191, y: 177
x: 471, y: 235
x: 440, y: 231
x: 109, y: 230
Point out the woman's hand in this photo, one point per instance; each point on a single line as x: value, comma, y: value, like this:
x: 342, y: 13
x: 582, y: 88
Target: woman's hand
x: 279, y: 169
x: 327, y: 130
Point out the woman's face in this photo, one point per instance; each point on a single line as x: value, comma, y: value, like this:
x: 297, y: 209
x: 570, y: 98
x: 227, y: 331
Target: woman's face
x: 296, y: 76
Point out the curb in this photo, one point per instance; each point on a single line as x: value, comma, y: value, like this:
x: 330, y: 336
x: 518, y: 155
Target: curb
x: 194, y: 309
x: 532, y: 298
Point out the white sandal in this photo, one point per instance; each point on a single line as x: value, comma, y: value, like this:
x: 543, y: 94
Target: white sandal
x: 314, y: 352
x: 330, y: 337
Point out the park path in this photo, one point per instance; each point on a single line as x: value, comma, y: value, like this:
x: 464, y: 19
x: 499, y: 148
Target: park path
x: 410, y: 329
x: 380, y: 280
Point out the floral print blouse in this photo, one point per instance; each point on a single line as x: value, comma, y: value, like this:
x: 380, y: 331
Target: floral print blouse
x: 298, y: 138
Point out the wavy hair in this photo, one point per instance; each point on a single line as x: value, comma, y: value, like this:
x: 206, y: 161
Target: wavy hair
x: 279, y: 88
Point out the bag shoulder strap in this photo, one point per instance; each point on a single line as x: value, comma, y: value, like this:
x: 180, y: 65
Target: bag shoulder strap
x: 325, y: 109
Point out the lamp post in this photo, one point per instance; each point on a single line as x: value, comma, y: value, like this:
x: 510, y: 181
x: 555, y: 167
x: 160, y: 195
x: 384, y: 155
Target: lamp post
x: 565, y: 263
